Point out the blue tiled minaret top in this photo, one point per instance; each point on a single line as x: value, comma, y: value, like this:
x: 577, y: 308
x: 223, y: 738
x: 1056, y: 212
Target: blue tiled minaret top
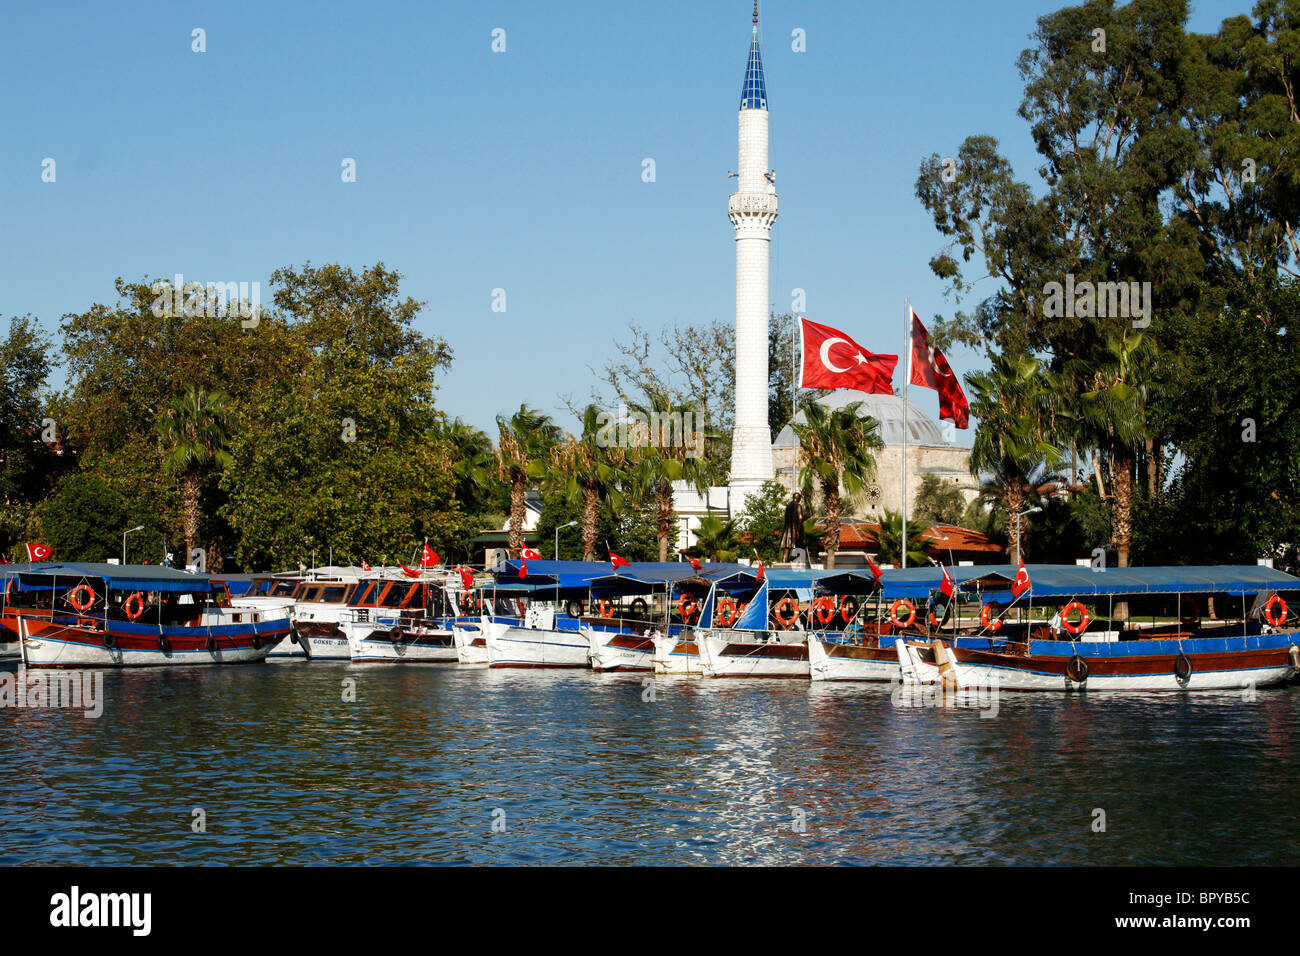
x: 753, y: 96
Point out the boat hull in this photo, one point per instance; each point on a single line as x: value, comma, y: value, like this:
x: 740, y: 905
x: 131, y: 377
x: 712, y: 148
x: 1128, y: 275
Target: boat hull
x: 730, y: 657
x: 470, y: 643
x: 831, y: 661
x: 620, y: 652
x: 58, y: 644
x: 509, y: 645
x: 368, y: 645
x: 675, y: 655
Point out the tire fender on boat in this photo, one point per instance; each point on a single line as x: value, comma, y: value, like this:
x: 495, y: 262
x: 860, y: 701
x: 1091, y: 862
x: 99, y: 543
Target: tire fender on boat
x: 1076, y: 669
x: 109, y: 640
x: 397, y: 635
x: 639, y: 606
x: 573, y: 608
x: 210, y: 644
x: 1183, y: 667
x: 164, y: 644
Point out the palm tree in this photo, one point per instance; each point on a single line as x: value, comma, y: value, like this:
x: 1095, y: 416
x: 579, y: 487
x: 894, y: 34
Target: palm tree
x: 716, y: 538
x: 193, y: 431
x: 1011, y: 451
x: 658, y: 459
x: 1113, y: 416
x: 585, y: 473
x: 526, y: 437
x: 835, y: 446
x: 889, y: 541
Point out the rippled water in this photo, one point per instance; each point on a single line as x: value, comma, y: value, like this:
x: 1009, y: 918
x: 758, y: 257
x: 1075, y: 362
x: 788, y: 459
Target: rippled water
x: 583, y: 768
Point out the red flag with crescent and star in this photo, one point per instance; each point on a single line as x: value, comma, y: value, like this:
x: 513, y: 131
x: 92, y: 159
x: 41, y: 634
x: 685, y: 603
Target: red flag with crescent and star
x: 466, y: 578
x: 528, y: 554
x: 428, y: 558
x: 39, y: 552
x: 833, y: 360
x: 931, y: 370
x: 1022, y: 583
x: 946, y: 588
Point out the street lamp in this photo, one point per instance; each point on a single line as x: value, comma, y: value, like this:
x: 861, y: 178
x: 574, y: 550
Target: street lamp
x: 1034, y: 510
x: 557, y: 537
x: 138, y: 527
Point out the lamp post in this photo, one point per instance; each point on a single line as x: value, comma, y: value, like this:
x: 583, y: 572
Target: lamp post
x: 138, y: 527
x: 557, y: 537
x: 1034, y: 510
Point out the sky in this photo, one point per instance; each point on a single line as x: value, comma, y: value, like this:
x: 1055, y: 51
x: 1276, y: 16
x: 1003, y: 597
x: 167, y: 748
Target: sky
x: 518, y: 170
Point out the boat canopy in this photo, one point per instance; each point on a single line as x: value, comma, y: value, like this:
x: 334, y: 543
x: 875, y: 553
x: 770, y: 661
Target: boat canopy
x: 1069, y: 580
x: 118, y: 577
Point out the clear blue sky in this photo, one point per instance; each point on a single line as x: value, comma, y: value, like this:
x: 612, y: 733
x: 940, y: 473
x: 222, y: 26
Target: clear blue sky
x: 519, y: 170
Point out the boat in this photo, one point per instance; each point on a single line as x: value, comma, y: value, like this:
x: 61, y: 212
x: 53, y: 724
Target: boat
x: 633, y: 613
x: 1211, y: 628
x: 548, y: 633
x: 393, y: 618
x: 316, y: 598
x: 108, y: 615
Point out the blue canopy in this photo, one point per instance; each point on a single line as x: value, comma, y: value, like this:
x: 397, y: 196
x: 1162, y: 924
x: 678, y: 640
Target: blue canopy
x: 119, y: 577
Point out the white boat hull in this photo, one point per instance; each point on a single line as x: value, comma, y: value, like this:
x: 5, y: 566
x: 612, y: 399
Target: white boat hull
x: 470, y: 642
x: 370, y: 646
x: 739, y: 656
x: 620, y: 652
x: 675, y: 655
x: 826, y: 665
x: 512, y: 646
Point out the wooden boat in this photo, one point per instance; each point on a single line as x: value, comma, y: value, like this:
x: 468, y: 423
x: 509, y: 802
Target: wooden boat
x: 396, y: 619
x: 103, y: 615
x: 1185, y: 647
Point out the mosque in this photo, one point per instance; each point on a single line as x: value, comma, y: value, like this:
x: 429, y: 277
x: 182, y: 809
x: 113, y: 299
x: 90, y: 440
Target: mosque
x: 755, y: 457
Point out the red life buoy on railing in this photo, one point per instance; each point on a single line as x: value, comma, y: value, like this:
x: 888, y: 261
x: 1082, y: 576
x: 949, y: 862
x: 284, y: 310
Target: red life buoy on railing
x: 686, y: 607
x: 825, y: 608
x: 9, y: 589
x: 790, y: 604
x: 135, y: 601
x: 76, y: 599
x: 1275, y: 601
x: 606, y: 608
x: 911, y: 613
x: 1083, y: 617
x: 848, y: 608
x: 727, y: 614
x: 991, y: 617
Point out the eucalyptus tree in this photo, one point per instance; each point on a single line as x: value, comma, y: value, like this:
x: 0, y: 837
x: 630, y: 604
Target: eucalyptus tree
x: 837, y: 462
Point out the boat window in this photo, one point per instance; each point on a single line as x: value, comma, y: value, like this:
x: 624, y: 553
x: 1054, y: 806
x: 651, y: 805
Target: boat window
x: 284, y: 589
x: 395, y: 595
x: 332, y: 595
x: 362, y: 594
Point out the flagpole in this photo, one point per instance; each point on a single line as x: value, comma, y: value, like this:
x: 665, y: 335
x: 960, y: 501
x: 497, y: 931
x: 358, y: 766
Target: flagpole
x: 907, y: 377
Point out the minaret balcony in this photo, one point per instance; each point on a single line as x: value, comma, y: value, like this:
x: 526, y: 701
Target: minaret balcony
x: 752, y: 209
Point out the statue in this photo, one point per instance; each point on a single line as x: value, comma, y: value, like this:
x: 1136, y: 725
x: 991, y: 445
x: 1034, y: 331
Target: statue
x: 792, y: 529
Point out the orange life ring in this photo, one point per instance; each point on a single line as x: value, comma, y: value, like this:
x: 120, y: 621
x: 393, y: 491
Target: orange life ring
x: 848, y: 608
x: 686, y: 607
x: 82, y: 605
x: 911, y: 613
x: 727, y: 612
x: 136, y: 599
x: 783, y: 620
x: 606, y: 608
x: 1083, y: 617
x: 9, y: 589
x: 990, y: 623
x: 1278, y: 621
x: 825, y: 607
x: 1190, y: 618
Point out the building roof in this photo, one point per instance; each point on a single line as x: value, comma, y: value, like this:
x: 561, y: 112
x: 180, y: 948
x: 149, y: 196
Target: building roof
x: 861, y: 535
x: 753, y: 95
x: 887, y: 410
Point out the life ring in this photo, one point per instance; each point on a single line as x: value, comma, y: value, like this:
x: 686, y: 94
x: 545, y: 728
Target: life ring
x: 1280, y: 619
x: 573, y: 608
x: 639, y: 606
x: 136, y: 601
x: 1076, y: 668
x: 1190, y: 617
x: 991, y: 618
x: 687, y: 607
x: 726, y: 612
x: 825, y: 609
x: 74, y: 597
x: 1183, y: 667
x: 606, y: 608
x: 911, y: 613
x: 9, y: 589
x: 1083, y: 617
x: 468, y: 602
x: 164, y: 644
x: 786, y: 620
x: 947, y: 611
x: 848, y: 608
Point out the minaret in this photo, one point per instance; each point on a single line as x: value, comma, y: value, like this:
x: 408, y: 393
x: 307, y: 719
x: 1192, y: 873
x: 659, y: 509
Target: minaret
x: 752, y: 209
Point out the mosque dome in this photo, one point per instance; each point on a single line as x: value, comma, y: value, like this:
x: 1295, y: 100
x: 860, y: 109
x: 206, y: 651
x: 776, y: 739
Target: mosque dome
x: 886, y: 409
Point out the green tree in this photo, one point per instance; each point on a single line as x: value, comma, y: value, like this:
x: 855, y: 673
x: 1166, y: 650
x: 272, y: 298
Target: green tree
x: 938, y: 502
x: 526, y: 439
x: 657, y: 459
x: 889, y: 541
x: 585, y: 474
x: 835, y: 452
x: 193, y: 431
x: 763, y: 519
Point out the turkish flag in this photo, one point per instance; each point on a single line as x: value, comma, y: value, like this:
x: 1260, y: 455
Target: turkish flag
x: 409, y: 572
x: 466, y: 578
x: 930, y: 369
x: 946, y: 588
x: 1022, y: 583
x: 833, y: 360
x: 761, y: 569
x: 38, y: 552
x: 365, y: 565
x: 528, y: 554
x: 875, y: 571
x: 523, y: 567
x: 617, y: 561
x: 429, y: 558
x: 695, y: 564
